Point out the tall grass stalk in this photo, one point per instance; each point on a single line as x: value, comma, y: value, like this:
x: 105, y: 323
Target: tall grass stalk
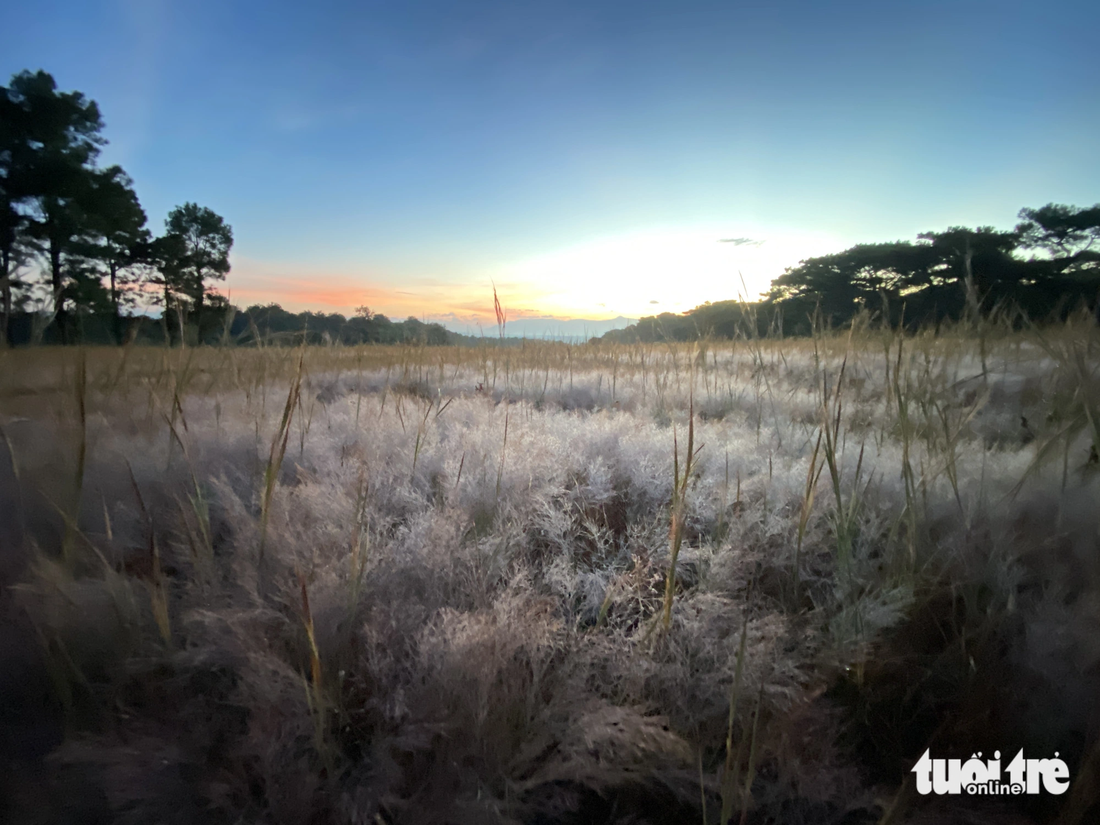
x: 1075, y: 362
x: 831, y: 418
x: 903, y: 391
x: 503, y: 451
x: 750, y: 772
x: 20, y: 499
x: 813, y: 473
x: 680, y: 482
x: 360, y: 544
x: 278, y: 450
x: 315, y: 695
x: 421, y: 434
x: 728, y: 784
x: 202, y: 544
x: 158, y: 593
x: 73, y: 512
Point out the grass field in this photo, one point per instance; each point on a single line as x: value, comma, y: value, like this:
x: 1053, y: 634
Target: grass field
x: 747, y: 581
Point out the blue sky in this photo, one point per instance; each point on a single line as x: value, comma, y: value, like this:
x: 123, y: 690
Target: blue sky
x: 585, y: 157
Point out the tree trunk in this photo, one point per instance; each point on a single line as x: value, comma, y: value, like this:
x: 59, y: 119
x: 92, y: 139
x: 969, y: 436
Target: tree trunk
x: 5, y: 296
x: 117, y: 321
x: 968, y: 284
x: 199, y: 295
x: 164, y: 314
x: 6, y: 319
x: 55, y: 282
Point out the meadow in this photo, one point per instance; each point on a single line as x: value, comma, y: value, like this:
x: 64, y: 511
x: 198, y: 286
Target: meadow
x: 742, y: 581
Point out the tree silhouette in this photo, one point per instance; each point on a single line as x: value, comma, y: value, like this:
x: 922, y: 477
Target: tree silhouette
x: 1069, y: 235
x: 974, y: 264
x: 206, y: 240
x: 168, y: 257
x: 864, y: 276
x: 949, y: 274
x: 51, y: 143
x: 118, y: 239
x: 12, y: 223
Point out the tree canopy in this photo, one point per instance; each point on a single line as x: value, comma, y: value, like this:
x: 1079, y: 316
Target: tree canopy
x: 205, y: 241
x: 80, y: 228
x: 1048, y: 265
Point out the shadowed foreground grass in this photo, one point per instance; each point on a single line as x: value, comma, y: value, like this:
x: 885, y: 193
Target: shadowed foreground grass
x: 429, y: 585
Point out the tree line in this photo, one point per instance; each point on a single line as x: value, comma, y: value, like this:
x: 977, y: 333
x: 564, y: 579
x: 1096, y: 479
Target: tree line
x: 75, y: 250
x: 272, y: 324
x: 1043, y: 269
x: 79, y: 263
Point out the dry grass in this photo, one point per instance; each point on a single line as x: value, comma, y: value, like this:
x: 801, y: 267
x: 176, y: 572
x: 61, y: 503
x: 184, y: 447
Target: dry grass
x: 420, y: 585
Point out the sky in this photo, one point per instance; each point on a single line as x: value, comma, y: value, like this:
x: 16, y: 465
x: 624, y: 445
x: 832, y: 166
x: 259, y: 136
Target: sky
x: 593, y: 161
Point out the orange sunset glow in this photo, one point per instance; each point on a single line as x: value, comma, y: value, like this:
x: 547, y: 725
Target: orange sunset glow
x: 301, y: 288
x: 626, y: 275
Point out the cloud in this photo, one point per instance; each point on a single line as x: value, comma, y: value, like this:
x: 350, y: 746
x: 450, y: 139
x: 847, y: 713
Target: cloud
x: 655, y: 302
x: 741, y: 241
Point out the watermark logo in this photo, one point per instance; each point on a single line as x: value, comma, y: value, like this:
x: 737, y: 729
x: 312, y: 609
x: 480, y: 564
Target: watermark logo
x: 978, y: 777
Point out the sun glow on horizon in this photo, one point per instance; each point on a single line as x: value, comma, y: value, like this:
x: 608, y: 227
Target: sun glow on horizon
x: 645, y: 272
x: 662, y: 270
